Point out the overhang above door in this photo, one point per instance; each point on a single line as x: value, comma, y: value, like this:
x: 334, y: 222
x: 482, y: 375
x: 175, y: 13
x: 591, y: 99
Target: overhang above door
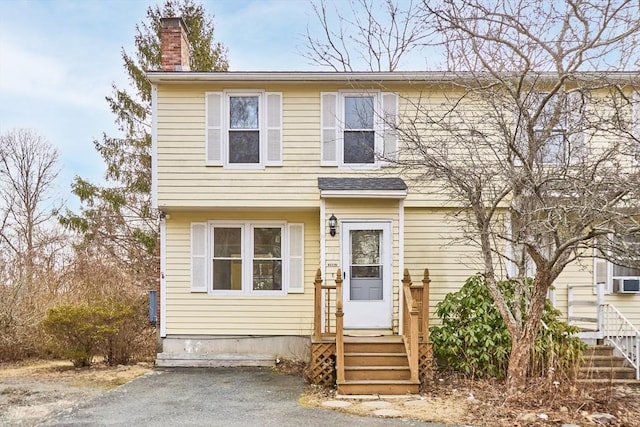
x: 372, y: 188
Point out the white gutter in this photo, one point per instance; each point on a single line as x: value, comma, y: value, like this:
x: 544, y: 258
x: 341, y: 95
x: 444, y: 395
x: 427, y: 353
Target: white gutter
x: 396, y: 76
x: 364, y: 194
x: 154, y: 146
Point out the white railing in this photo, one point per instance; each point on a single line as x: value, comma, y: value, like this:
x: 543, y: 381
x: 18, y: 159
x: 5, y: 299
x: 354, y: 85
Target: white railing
x: 582, y: 296
x: 622, y: 335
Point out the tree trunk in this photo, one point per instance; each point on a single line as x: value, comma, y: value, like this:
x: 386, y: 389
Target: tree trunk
x: 523, y: 344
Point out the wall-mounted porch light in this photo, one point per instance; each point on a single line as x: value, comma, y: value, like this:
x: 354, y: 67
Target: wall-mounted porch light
x: 333, y: 222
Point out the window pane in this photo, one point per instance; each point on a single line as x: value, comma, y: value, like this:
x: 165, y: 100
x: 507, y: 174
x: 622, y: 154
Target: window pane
x: 365, y: 247
x: 244, y: 147
x: 267, y: 262
x: 227, y: 274
x: 368, y: 272
x: 226, y: 242
x: 358, y: 112
x: 620, y: 271
x: 553, y: 150
x: 267, y: 275
x: 359, y: 147
x: 266, y: 242
x: 243, y: 112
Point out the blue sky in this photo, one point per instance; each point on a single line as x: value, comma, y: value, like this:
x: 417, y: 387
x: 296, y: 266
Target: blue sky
x: 59, y: 58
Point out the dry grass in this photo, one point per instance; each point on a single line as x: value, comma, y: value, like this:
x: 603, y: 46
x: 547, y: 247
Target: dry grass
x: 452, y: 399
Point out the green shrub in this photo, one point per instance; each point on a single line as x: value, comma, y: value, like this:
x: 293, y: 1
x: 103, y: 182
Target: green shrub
x: 132, y: 331
x: 115, y: 329
x: 77, y: 331
x: 473, y: 338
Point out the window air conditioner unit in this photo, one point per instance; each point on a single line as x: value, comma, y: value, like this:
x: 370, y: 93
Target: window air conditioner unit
x: 626, y: 285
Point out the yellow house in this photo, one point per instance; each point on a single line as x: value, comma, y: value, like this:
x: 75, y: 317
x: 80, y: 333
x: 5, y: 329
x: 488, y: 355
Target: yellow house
x: 265, y: 191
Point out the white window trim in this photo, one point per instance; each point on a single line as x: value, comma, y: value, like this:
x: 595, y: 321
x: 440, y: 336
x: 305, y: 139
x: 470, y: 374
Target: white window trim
x: 262, y: 128
x: 247, y: 258
x: 378, y: 129
x: 635, y: 123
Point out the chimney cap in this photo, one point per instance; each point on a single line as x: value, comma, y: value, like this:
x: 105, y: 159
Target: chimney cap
x: 174, y: 21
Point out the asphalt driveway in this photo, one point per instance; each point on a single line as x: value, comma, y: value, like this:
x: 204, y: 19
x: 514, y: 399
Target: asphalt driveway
x: 211, y: 397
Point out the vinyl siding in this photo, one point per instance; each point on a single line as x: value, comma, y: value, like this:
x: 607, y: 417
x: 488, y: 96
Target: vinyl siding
x: 430, y: 243
x: 185, y: 182
x: 191, y: 191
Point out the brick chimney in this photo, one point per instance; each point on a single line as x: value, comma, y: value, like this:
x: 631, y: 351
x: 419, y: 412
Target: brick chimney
x: 174, y: 45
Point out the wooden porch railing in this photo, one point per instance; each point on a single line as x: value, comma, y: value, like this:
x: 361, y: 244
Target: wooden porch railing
x: 328, y: 331
x: 325, y: 320
x: 415, y: 331
x: 328, y: 328
x: 339, y: 329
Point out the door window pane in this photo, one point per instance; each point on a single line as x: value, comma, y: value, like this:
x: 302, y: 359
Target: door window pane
x: 365, y: 247
x: 365, y: 280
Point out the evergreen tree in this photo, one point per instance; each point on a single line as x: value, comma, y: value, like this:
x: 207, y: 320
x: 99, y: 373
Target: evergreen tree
x: 117, y: 220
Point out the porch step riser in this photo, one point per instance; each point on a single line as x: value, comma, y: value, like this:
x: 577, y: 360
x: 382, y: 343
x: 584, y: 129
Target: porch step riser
x: 607, y: 373
x: 374, y: 348
x: 604, y: 362
x: 601, y: 365
x: 598, y: 351
x: 375, y: 359
x: 378, y: 388
x: 377, y: 374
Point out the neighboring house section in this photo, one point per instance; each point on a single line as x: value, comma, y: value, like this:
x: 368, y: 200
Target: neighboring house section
x: 250, y: 167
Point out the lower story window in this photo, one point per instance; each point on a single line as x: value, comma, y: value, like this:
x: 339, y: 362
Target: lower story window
x: 246, y: 258
x: 227, y: 258
x: 236, y: 258
x: 267, y: 259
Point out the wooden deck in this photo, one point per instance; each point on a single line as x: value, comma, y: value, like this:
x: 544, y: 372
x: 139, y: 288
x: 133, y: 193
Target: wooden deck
x: 385, y: 364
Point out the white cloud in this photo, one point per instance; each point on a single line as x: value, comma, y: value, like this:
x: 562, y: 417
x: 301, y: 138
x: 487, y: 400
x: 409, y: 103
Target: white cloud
x: 34, y: 74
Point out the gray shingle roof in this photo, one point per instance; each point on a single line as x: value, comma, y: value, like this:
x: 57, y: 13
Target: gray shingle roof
x: 361, y: 184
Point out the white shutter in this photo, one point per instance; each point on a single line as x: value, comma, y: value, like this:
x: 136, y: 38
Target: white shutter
x: 295, y: 258
x: 214, y: 119
x: 198, y: 257
x: 390, y: 121
x: 601, y: 272
x: 635, y: 125
x: 329, y: 129
x: 274, y: 129
x: 577, y: 149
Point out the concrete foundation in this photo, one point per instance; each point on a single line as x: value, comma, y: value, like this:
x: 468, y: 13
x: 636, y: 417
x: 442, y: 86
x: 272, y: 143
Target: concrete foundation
x: 209, y: 351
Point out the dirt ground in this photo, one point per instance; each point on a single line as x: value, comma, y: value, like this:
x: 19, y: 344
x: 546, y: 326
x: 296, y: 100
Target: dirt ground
x: 456, y: 401
x: 32, y: 392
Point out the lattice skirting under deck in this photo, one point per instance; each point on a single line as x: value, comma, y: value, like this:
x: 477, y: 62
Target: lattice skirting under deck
x: 425, y: 362
x: 322, y: 369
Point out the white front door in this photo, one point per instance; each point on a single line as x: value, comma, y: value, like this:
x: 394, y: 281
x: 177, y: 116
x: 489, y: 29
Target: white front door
x: 367, y: 273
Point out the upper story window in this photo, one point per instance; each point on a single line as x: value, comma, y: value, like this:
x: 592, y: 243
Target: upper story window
x: 358, y: 128
x: 558, y: 136
x: 243, y: 129
x: 359, y: 132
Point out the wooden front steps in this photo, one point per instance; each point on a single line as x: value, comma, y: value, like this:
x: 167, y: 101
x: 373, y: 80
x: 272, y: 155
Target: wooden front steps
x: 601, y: 365
x: 376, y: 365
